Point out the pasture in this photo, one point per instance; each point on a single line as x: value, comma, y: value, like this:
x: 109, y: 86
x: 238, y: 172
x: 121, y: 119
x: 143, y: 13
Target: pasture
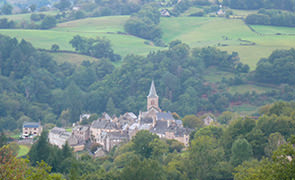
x: 77, y: 59
x: 23, y: 150
x: 248, y: 88
x: 244, y: 109
x: 225, y: 34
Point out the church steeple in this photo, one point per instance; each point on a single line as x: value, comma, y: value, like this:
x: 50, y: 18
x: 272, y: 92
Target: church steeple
x: 152, y: 98
x: 153, y: 93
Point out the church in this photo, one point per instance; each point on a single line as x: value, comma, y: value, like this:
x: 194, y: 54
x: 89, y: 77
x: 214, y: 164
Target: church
x: 161, y: 123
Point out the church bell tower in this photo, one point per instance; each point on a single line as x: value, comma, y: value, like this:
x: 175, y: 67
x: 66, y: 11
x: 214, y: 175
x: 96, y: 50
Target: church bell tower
x: 153, y: 98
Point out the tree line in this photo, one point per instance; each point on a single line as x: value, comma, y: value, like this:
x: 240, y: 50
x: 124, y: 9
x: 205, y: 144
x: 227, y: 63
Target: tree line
x: 257, y: 4
x: 272, y: 17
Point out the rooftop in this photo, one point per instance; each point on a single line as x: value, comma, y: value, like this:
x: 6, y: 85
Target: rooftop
x: 153, y: 93
x: 164, y: 116
x: 31, y: 124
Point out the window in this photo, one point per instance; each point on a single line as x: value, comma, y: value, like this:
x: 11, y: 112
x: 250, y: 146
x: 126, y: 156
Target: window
x: 152, y: 102
x: 35, y: 133
x: 26, y: 128
x: 34, y: 128
x: 26, y: 132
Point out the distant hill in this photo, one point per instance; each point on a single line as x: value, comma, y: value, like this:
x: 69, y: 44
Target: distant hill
x: 226, y: 34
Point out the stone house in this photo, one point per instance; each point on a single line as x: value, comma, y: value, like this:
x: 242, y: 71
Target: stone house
x: 81, y: 132
x: 208, y: 120
x: 58, y: 136
x: 113, y: 139
x: 31, y: 129
x: 100, y: 127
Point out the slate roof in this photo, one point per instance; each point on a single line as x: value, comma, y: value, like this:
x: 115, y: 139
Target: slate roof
x: 31, y: 125
x: 103, y: 124
x: 161, y: 127
x: 131, y: 114
x: 80, y: 128
x: 146, y: 120
x: 57, y: 130
x: 164, y: 116
x: 117, y: 135
x: 106, y: 116
x: 178, y: 122
x: 153, y: 93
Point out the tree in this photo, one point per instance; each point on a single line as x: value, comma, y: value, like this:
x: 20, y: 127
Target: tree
x: 281, y: 166
x: 6, y: 9
x: 275, y: 140
x: 204, y: 156
x: 111, y: 108
x: 55, y: 47
x: 241, y: 151
x: 144, y: 170
x: 20, y: 169
x: 63, y: 5
x: 40, y: 150
x: 192, y: 121
x: 48, y: 22
x: 225, y: 117
x: 74, y: 101
x: 141, y: 143
x: 3, y: 139
x: 32, y: 7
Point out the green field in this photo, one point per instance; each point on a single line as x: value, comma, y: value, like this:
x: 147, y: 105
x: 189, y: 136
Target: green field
x: 226, y: 34
x: 244, y: 109
x: 274, y: 30
x: 248, y: 88
x: 71, y: 58
x: 26, y: 17
x: 213, y: 75
x: 23, y: 150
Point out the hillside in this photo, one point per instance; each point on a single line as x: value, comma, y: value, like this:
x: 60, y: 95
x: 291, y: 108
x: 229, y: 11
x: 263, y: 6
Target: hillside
x: 226, y: 34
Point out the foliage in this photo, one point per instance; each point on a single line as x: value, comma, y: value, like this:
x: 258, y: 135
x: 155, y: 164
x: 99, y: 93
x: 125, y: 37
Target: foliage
x: 204, y: 157
x: 63, y: 5
x: 48, y: 22
x: 13, y: 168
x: 60, y: 160
x: 272, y: 17
x: 3, y: 139
x: 6, y: 24
x: 144, y: 23
x: 6, y: 9
x: 99, y: 47
x: 241, y: 151
x: 277, y: 69
x: 281, y: 166
x: 257, y: 4
x: 192, y: 121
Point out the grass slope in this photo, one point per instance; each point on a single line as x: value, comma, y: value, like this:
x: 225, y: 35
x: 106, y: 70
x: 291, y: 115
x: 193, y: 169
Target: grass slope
x: 23, y: 150
x: 226, y: 34
x: 206, y: 31
x: 77, y: 59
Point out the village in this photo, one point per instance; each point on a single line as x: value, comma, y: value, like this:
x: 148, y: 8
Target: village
x: 109, y: 131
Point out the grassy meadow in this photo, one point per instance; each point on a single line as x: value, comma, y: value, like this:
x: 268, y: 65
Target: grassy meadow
x: 226, y: 34
x: 23, y: 150
x: 248, y: 88
x: 71, y: 58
